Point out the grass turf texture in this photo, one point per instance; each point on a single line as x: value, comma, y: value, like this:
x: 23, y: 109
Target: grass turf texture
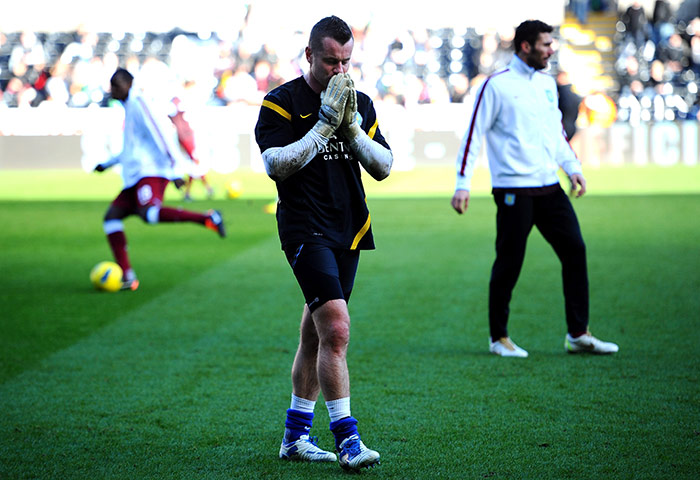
x: 189, y: 376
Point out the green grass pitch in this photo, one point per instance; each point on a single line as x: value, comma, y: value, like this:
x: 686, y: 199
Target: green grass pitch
x: 188, y: 377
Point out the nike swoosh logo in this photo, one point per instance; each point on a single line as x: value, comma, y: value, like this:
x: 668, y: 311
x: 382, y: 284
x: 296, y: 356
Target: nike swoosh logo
x: 305, y: 116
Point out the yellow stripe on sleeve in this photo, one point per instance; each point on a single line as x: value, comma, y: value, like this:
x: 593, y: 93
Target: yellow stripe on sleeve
x: 373, y: 130
x: 277, y: 108
x: 361, y: 233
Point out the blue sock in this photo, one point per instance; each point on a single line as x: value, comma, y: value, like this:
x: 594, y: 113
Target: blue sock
x: 297, y: 424
x: 342, y: 429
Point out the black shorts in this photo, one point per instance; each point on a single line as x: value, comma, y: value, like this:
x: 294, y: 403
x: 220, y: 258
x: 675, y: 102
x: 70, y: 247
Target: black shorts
x: 323, y: 273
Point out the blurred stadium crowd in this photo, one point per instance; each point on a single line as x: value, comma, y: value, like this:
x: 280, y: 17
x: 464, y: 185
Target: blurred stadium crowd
x: 73, y: 68
x: 658, y: 62
x: 657, y: 67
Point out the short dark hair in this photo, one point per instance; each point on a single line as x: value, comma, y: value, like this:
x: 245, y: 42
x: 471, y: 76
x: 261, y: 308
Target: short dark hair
x: 122, y: 75
x: 332, y: 27
x: 529, y: 31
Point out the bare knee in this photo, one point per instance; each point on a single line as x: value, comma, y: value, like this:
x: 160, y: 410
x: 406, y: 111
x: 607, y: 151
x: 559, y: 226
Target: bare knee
x: 333, y: 326
x: 337, y: 336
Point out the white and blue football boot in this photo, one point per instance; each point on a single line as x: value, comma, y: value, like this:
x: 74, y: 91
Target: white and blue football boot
x: 353, y: 455
x: 304, y: 449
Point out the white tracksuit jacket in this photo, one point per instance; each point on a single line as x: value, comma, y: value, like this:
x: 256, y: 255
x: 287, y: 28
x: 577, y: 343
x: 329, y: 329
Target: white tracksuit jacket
x: 150, y: 144
x: 517, y: 111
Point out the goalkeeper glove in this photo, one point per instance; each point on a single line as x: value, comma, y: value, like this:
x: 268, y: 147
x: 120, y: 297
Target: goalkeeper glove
x: 349, y: 126
x: 333, y: 100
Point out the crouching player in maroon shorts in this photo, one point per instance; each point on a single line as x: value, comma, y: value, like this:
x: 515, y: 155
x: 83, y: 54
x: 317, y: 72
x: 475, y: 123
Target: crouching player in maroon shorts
x: 148, y: 161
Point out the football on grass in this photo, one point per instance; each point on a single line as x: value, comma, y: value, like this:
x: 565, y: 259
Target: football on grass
x: 234, y: 189
x: 106, y: 276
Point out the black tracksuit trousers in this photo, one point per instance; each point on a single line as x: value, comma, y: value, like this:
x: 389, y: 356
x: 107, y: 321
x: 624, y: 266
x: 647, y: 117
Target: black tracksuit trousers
x: 554, y: 216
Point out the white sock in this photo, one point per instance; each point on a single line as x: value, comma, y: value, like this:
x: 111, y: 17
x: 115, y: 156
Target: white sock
x: 112, y: 226
x: 129, y: 275
x: 339, y: 408
x: 153, y: 214
x: 302, y: 404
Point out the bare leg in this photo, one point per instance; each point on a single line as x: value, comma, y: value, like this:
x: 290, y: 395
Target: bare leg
x: 320, y: 362
x: 333, y: 327
x: 304, y: 374
x: 297, y: 444
x: 188, y: 187
x: 205, y: 182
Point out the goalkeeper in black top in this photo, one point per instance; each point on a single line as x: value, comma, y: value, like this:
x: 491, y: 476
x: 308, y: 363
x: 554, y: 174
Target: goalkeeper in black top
x: 314, y: 133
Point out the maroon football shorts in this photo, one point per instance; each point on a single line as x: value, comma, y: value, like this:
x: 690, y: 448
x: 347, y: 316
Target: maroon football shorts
x: 147, y: 192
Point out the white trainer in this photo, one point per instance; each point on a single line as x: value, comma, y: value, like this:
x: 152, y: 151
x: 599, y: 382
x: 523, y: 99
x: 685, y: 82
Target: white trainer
x: 304, y: 449
x: 505, y: 347
x: 587, y: 343
x: 354, y: 455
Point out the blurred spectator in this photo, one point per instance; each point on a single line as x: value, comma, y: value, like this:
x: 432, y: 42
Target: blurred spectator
x: 57, y: 85
x: 630, y: 107
x: 695, y: 54
x: 239, y: 86
x: 601, y: 5
x: 437, y: 90
x: 569, y: 103
x: 631, y: 70
x: 580, y: 9
x: 600, y: 110
x: 661, y: 22
x: 459, y: 87
x: 5, y: 52
x: 266, y: 76
x: 488, y: 59
x: 674, y: 53
x: 28, y: 53
x: 82, y: 49
x: 13, y: 91
x: 657, y: 74
x: 688, y: 10
x: 635, y: 20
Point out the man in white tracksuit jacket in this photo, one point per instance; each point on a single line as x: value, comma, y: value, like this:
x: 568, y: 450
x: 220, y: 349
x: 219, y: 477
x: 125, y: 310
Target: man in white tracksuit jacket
x: 516, y: 110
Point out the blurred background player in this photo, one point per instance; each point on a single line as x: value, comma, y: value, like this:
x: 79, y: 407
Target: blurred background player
x: 516, y: 110
x: 569, y: 103
x: 149, y: 161
x: 314, y: 132
x: 196, y: 169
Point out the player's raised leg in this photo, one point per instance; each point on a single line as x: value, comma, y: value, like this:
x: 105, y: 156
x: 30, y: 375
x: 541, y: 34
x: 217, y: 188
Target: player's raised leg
x: 149, y: 194
x: 212, y: 219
